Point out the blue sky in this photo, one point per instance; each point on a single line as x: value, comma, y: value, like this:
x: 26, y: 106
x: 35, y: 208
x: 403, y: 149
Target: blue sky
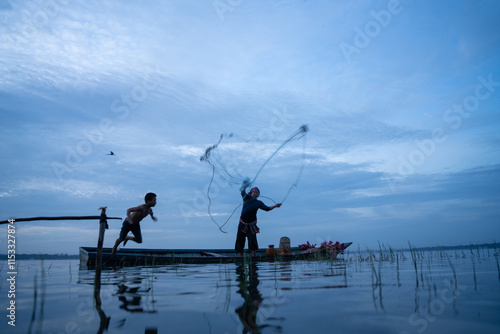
x: 401, y: 99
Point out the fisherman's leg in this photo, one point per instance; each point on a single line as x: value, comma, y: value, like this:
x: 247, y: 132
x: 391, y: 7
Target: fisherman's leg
x: 253, y: 245
x: 240, y: 244
x: 240, y: 241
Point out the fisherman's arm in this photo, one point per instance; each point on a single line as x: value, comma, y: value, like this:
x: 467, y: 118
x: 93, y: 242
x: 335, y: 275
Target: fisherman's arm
x: 269, y: 208
x: 244, y: 186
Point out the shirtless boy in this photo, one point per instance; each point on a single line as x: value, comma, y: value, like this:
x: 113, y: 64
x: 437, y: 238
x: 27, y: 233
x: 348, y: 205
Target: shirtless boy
x: 132, y: 222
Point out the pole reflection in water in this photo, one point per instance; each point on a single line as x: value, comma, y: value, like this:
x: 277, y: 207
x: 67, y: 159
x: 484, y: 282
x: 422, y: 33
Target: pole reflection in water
x: 104, y: 321
x: 130, y: 295
x: 34, y: 316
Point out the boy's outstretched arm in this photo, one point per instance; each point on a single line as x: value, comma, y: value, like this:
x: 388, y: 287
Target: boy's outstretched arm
x: 152, y: 216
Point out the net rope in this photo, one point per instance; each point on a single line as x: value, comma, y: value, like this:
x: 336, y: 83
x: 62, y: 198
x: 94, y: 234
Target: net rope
x: 233, y: 177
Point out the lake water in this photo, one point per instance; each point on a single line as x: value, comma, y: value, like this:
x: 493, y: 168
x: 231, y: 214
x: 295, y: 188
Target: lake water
x: 458, y: 292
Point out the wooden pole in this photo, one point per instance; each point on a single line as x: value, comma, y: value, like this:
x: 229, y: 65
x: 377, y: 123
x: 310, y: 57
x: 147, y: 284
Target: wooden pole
x: 54, y: 218
x: 103, y: 224
x: 104, y: 321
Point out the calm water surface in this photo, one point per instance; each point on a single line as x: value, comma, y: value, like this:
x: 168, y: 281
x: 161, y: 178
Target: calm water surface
x: 458, y: 292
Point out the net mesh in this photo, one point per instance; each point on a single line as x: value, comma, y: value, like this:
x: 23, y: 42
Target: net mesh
x: 241, y: 162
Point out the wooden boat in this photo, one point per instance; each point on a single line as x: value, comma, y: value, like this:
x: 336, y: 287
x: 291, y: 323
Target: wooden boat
x: 147, y: 257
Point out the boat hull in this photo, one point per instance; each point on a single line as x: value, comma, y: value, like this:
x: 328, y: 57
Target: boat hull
x: 150, y: 257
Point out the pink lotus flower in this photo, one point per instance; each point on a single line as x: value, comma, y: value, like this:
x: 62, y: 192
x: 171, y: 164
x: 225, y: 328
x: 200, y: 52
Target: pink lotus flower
x: 307, y: 246
x: 326, y: 246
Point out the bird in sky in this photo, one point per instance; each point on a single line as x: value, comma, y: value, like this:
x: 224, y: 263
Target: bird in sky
x: 110, y: 153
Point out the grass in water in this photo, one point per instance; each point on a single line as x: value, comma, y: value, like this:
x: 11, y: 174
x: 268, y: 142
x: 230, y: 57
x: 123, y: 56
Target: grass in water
x: 454, y: 272
x: 33, y: 314
x: 498, y: 268
x: 474, y: 270
x: 397, y: 269
x: 414, y: 259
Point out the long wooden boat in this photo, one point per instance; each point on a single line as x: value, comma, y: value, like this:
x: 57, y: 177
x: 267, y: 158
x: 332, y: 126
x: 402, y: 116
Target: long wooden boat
x: 147, y: 257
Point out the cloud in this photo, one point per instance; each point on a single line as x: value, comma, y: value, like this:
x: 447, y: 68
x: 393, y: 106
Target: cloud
x: 72, y: 187
x: 159, y: 83
x: 44, y: 231
x: 71, y: 45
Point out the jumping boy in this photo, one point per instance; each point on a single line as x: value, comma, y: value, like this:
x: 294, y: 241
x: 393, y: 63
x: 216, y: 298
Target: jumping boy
x: 132, y: 222
x: 247, y: 227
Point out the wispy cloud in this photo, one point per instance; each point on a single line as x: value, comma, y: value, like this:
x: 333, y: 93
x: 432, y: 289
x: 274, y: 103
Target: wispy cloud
x: 159, y: 83
x: 78, y: 188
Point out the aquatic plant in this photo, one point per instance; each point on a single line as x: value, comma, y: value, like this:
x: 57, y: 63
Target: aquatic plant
x: 70, y: 275
x: 498, y: 267
x: 454, y: 272
x: 377, y: 283
x: 414, y: 259
x: 474, y: 270
x: 397, y: 269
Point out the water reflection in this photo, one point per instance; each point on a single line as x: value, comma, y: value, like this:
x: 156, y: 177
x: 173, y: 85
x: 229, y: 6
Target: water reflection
x: 303, y: 296
x: 248, y: 281
x: 285, y: 270
x: 103, y: 319
x: 129, y: 291
x: 377, y: 285
x: 131, y: 298
x: 38, y: 316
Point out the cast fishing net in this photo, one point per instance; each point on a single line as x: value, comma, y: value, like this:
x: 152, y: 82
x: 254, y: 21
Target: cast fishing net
x: 240, y: 162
